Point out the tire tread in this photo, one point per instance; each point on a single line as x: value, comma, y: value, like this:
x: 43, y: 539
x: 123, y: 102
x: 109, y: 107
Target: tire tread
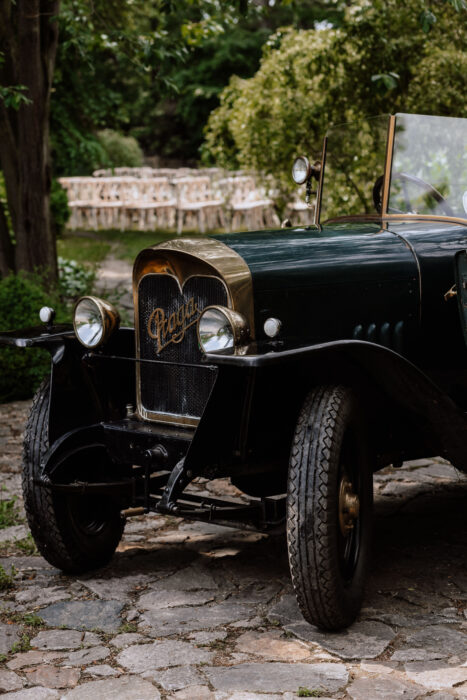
x: 311, y: 528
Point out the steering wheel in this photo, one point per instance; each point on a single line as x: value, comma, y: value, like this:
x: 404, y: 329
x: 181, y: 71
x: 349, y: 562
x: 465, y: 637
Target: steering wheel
x: 404, y: 178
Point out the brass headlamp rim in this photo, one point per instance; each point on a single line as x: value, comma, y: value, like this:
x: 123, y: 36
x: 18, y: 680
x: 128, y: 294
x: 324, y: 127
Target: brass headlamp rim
x: 110, y: 318
x: 238, y: 323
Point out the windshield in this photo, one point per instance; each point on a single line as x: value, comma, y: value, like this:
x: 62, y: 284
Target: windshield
x: 354, y: 164
x: 429, y: 166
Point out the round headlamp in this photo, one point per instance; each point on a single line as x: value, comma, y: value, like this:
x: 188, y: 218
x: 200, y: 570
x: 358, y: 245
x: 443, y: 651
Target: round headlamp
x: 220, y: 328
x: 301, y: 170
x: 94, y: 321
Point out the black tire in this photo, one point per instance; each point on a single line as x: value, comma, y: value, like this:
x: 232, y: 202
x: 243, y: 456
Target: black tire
x: 73, y: 533
x: 328, y: 561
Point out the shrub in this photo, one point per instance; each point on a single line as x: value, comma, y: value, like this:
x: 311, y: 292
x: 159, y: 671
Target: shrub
x: 120, y: 150
x: 311, y: 78
x: 21, y: 371
x: 75, y: 279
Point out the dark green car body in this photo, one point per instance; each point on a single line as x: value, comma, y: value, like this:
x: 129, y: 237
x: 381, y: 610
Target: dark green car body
x: 369, y: 312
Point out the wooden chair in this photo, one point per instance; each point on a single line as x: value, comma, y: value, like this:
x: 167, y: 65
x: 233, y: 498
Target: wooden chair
x: 149, y: 204
x: 82, y: 201
x: 246, y: 205
x: 196, y: 207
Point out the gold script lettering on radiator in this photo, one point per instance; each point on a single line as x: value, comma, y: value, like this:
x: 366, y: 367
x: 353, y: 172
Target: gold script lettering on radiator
x: 172, y: 329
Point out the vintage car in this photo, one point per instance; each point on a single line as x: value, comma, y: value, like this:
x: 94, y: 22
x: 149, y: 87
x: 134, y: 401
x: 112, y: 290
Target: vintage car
x: 295, y: 362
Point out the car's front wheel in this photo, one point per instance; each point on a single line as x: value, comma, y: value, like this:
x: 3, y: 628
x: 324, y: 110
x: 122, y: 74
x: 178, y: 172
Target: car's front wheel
x: 75, y: 533
x: 329, y: 508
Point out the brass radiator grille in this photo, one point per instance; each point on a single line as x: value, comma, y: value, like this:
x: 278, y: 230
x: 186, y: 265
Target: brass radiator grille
x: 167, y: 331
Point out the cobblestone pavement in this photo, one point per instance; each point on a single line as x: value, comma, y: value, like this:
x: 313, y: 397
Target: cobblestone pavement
x: 194, y: 611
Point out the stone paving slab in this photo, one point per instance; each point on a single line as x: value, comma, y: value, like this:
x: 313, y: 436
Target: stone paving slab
x: 9, y: 634
x: 275, y: 677
x: 89, y: 615
x: 192, y: 611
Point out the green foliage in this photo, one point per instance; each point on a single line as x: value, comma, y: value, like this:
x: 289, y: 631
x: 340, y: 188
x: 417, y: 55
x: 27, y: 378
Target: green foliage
x: 119, y: 150
x: 378, y: 61
x: 307, y: 693
x: 75, y: 150
x: 9, y: 513
x: 109, y: 53
x: 32, y: 620
x: 154, y: 69
x: 264, y: 122
x: 75, y: 279
x: 128, y: 627
x: 21, y: 371
x: 427, y: 20
x: 59, y: 209
x: 19, y: 618
x: 24, y: 644
x: 7, y: 580
x: 435, y: 86
x: 12, y: 96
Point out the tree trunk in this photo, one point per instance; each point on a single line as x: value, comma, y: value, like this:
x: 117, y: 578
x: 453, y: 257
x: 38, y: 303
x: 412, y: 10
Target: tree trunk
x: 31, y: 36
x: 7, y: 253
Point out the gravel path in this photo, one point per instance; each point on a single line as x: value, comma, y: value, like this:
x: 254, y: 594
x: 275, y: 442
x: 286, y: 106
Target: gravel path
x: 195, y: 611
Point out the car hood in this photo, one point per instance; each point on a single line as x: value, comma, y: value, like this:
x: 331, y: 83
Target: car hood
x: 343, y: 281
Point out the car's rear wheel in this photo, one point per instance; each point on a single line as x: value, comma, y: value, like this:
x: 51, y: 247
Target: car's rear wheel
x: 75, y: 533
x: 329, y: 508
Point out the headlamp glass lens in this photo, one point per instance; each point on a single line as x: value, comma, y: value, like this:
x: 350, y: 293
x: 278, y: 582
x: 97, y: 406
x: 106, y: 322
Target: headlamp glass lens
x: 300, y: 170
x: 88, y: 323
x: 215, y: 331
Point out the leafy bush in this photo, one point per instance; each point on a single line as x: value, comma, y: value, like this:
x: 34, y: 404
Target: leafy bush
x: 74, y: 151
x: 59, y: 209
x: 21, y: 371
x: 75, y: 279
x: 120, y: 150
x: 21, y: 297
x: 309, y: 79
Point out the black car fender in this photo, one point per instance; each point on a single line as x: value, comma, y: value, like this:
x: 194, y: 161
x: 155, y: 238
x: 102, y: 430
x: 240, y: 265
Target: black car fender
x: 384, y: 372
x: 84, y: 390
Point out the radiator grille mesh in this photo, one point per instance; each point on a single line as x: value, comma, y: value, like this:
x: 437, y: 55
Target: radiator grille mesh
x: 172, y: 389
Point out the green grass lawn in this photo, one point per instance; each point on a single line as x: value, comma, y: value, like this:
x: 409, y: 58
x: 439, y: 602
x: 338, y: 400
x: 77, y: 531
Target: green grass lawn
x: 93, y: 246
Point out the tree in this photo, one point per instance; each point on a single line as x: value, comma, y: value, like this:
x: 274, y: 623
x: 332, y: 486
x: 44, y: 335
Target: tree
x: 380, y: 60
x: 156, y: 69
x: 117, y: 63
x: 29, y: 35
x: 132, y: 38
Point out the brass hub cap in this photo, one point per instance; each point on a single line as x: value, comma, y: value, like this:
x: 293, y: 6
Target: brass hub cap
x: 349, y: 506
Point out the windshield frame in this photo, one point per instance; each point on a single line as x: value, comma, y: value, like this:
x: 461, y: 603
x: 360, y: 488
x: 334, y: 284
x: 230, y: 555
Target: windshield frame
x: 385, y: 217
